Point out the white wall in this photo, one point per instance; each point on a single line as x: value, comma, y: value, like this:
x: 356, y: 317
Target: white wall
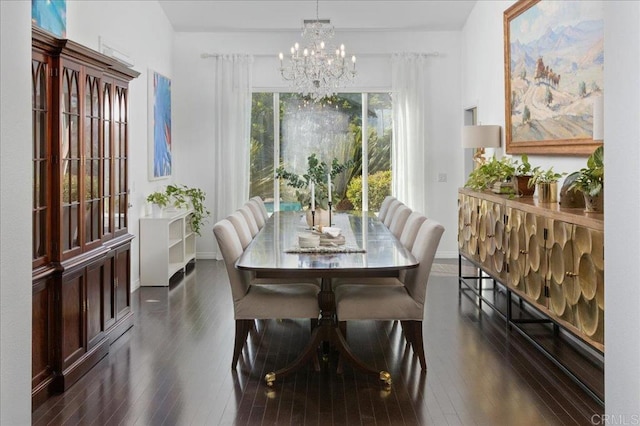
x: 483, y: 85
x: 15, y: 211
x: 622, y: 207
x: 141, y: 29
x: 193, y: 100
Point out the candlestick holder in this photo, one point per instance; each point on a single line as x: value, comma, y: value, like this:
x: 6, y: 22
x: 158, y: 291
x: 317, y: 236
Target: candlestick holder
x: 329, y: 213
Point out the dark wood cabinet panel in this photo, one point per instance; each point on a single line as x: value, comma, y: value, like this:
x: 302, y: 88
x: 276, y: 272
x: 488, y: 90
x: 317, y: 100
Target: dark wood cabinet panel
x: 108, y: 293
x: 42, y: 335
x: 93, y: 304
x: 79, y: 214
x: 123, y: 281
x: 71, y: 318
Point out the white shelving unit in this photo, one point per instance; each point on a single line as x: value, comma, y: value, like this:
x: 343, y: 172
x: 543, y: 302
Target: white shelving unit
x: 167, y: 244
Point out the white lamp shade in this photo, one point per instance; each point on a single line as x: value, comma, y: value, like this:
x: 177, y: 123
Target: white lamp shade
x: 484, y: 136
x: 598, y: 118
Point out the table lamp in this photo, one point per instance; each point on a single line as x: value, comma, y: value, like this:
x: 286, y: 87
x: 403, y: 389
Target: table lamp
x: 480, y: 137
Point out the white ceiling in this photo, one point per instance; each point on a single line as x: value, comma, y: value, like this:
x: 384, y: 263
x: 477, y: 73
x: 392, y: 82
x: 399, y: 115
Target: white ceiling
x: 283, y: 15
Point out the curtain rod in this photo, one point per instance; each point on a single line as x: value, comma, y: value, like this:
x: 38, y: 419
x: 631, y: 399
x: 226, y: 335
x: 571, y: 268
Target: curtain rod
x: 360, y: 55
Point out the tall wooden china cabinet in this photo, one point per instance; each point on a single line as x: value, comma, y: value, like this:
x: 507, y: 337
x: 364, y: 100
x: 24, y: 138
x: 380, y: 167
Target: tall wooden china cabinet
x: 81, y: 245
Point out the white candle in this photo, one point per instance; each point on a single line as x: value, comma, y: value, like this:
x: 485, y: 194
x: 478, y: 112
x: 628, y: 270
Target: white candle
x: 329, y: 185
x: 313, y: 197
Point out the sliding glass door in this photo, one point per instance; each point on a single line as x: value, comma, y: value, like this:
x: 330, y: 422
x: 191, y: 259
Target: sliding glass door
x: 286, y: 128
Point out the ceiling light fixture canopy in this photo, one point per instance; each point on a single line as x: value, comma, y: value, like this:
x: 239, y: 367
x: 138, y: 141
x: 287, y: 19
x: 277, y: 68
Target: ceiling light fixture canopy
x: 317, y: 69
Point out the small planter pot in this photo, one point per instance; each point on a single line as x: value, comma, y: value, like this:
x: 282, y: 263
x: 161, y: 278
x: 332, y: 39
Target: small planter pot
x: 156, y: 210
x: 548, y: 192
x: 522, y: 185
x: 594, y: 204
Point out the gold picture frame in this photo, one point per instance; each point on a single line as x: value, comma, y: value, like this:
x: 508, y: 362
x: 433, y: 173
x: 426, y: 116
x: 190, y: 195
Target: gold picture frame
x: 553, y: 67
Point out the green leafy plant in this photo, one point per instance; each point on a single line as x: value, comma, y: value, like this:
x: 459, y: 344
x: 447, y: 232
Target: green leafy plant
x: 159, y: 198
x: 379, y: 188
x: 317, y: 172
x: 182, y: 196
x: 523, y: 174
x: 524, y: 168
x: 590, y: 179
x: 545, y: 176
x: 491, y: 172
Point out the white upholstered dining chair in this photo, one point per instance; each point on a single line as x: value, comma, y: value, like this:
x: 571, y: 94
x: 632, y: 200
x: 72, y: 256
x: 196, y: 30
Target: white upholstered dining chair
x: 251, y: 220
x: 395, y: 204
x: 263, y: 208
x: 252, y: 301
x: 241, y: 226
x: 257, y: 212
x: 399, y: 220
x: 410, y: 230
x: 384, y: 207
x: 406, y: 302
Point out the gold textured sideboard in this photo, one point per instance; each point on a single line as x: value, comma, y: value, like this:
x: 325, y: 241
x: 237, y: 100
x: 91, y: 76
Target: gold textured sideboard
x: 552, y: 257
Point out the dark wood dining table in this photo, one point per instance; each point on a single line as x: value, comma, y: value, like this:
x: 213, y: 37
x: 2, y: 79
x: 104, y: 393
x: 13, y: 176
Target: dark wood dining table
x: 370, y: 250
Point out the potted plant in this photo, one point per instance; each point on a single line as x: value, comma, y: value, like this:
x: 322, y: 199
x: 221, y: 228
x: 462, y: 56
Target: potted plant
x: 183, y: 197
x: 318, y: 173
x: 546, y: 182
x: 493, y: 172
x: 590, y: 181
x: 159, y: 200
x: 523, y: 174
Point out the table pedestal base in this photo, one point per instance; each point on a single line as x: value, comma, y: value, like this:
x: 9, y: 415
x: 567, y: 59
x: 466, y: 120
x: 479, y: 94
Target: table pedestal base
x: 326, y: 331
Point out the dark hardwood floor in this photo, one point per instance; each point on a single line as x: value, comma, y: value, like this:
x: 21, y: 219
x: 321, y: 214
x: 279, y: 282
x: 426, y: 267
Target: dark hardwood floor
x: 173, y: 368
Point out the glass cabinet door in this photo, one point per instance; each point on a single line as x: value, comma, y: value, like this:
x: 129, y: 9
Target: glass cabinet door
x: 107, y: 160
x: 70, y: 160
x: 120, y: 160
x: 92, y: 162
x: 41, y: 164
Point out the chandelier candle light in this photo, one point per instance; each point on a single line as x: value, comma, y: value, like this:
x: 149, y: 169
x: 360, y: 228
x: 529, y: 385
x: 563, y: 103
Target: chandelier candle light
x: 317, y: 69
x: 313, y: 204
x: 329, y: 191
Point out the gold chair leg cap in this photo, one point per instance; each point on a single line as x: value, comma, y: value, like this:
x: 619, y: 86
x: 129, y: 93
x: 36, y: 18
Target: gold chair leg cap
x: 385, y: 377
x: 270, y: 378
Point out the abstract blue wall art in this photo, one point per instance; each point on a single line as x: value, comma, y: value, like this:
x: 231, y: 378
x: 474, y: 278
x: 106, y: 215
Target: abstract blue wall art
x: 161, y: 122
x: 50, y: 15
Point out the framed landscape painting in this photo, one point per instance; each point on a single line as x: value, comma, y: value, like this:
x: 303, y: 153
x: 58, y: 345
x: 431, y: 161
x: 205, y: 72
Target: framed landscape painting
x: 554, y: 61
x: 160, y: 159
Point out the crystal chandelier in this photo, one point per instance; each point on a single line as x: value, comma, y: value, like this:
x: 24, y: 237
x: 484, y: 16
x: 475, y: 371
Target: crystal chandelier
x: 317, y: 69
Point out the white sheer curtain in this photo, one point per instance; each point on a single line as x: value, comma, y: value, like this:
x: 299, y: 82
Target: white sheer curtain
x: 232, y: 124
x: 408, y: 73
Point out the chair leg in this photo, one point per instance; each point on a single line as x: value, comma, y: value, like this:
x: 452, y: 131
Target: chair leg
x: 407, y: 331
x: 242, y: 331
x: 418, y: 344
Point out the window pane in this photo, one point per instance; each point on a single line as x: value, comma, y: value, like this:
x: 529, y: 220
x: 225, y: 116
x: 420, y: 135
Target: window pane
x: 379, y: 144
x: 330, y: 129
x: 261, y: 157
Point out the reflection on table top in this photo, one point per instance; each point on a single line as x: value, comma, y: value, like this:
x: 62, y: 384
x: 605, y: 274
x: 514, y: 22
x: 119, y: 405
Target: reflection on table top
x: 384, y: 255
